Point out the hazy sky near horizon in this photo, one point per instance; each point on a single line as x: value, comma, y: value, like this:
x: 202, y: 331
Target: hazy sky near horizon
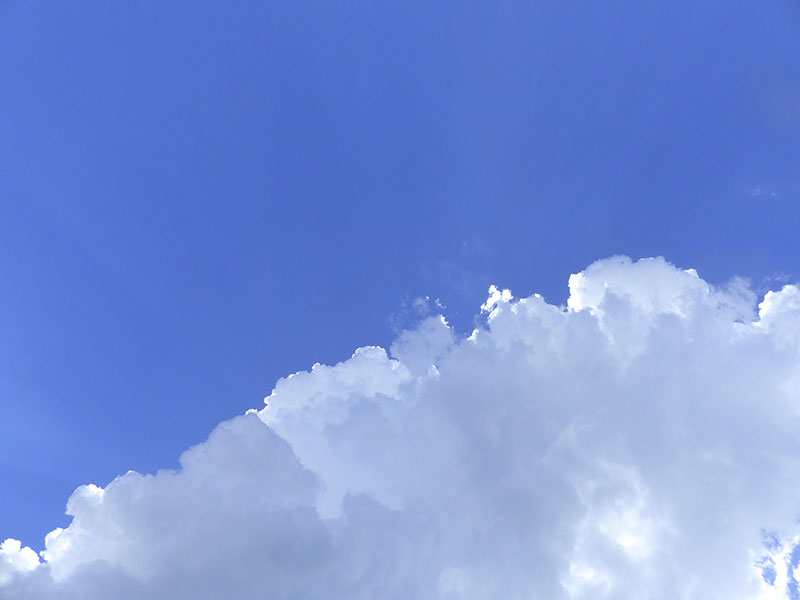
x: 197, y: 199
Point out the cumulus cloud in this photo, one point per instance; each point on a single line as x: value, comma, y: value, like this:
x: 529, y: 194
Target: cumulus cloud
x: 14, y: 558
x: 639, y: 443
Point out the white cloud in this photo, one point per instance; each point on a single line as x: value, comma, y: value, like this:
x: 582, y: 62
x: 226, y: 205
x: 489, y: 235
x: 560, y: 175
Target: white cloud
x: 636, y: 444
x: 14, y: 558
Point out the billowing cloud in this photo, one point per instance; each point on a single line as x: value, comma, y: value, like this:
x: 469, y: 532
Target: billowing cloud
x: 642, y: 442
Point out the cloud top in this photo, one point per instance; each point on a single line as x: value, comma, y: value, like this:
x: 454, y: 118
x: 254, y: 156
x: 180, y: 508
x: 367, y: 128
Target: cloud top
x: 640, y: 442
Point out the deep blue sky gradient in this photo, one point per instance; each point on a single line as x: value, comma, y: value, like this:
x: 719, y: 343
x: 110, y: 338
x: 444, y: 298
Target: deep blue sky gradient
x: 197, y: 198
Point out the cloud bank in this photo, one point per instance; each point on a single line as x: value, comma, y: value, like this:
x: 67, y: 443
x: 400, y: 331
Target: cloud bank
x: 642, y: 442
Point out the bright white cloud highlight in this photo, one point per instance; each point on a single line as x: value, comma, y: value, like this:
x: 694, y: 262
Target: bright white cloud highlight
x: 640, y: 443
x: 15, y: 558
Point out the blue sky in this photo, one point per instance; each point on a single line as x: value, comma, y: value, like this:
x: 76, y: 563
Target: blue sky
x: 197, y: 199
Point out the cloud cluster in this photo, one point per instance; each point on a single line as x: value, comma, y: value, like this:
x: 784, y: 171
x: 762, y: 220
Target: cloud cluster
x: 640, y: 443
